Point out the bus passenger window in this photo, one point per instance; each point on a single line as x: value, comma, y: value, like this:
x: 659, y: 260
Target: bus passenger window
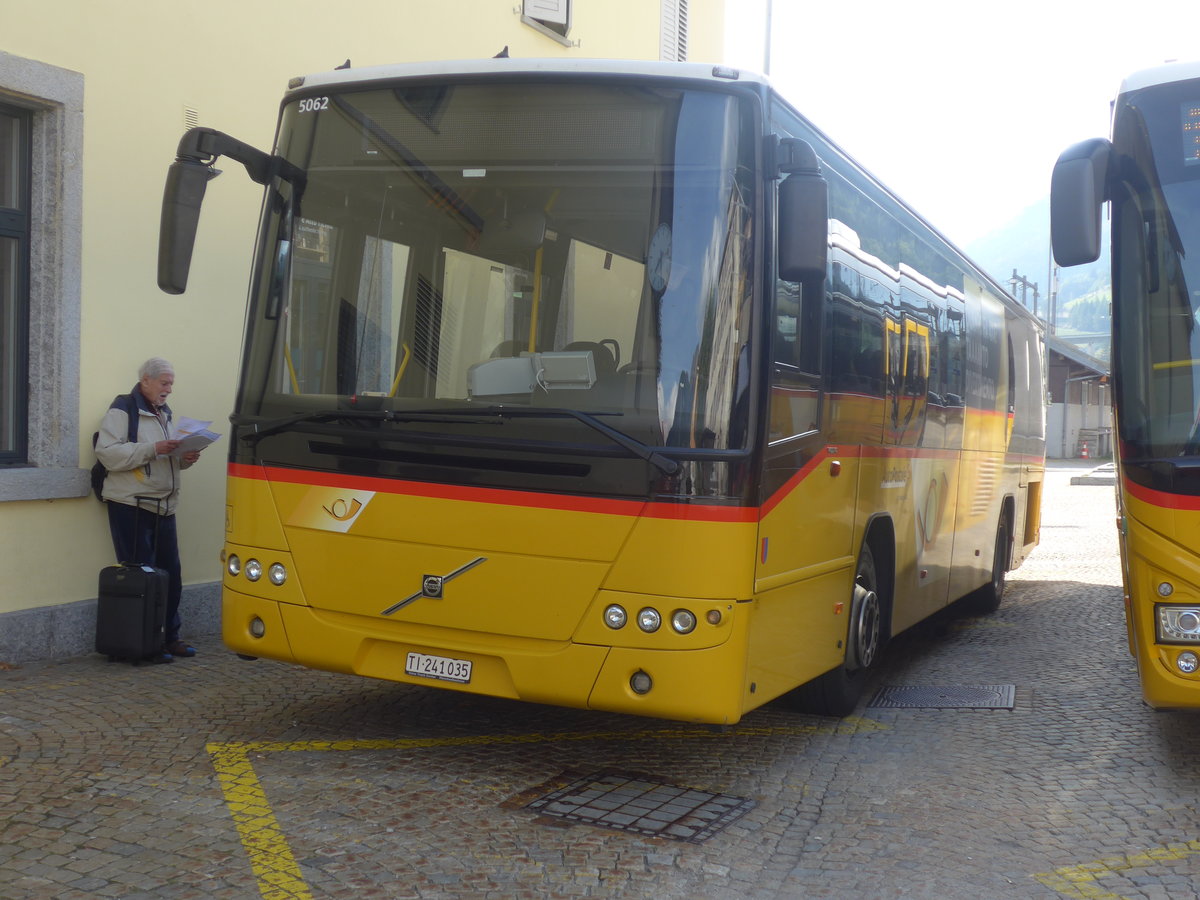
x: 795, y: 393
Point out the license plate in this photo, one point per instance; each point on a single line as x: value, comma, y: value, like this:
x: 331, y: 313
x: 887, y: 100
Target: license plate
x: 439, y: 667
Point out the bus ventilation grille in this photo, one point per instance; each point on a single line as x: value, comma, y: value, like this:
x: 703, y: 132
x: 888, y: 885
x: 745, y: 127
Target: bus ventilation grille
x: 642, y: 806
x: 958, y: 696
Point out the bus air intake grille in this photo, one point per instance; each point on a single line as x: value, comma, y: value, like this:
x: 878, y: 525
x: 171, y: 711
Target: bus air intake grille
x: 643, y: 806
x: 958, y: 696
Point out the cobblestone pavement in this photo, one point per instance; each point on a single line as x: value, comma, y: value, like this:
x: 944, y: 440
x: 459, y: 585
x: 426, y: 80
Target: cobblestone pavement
x: 218, y: 778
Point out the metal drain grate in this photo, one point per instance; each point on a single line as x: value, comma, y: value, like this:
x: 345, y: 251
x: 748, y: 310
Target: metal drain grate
x: 630, y: 803
x: 957, y: 696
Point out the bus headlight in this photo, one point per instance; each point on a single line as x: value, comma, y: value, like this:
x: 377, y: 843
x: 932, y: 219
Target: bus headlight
x: 649, y: 619
x: 1178, y: 624
x: 233, y: 564
x: 683, y: 621
x: 253, y: 569
x: 277, y: 574
x: 614, y: 616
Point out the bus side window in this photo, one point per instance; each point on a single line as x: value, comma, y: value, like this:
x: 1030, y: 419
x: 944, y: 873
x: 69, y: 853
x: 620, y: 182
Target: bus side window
x: 795, y: 391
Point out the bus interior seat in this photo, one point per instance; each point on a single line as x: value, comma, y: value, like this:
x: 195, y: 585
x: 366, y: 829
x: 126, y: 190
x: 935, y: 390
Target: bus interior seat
x: 602, y: 357
x: 507, y: 348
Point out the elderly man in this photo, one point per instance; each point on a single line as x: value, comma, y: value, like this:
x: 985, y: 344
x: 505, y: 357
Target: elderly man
x: 141, y: 489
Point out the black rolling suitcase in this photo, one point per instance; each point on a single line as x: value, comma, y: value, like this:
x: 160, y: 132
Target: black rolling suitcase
x: 131, y: 611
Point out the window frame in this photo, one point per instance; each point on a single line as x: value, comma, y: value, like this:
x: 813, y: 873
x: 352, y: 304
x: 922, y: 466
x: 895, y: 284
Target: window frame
x: 53, y: 99
x: 15, y: 226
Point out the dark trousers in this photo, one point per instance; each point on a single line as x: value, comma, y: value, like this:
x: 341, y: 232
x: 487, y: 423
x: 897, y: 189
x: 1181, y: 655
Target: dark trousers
x: 135, y: 541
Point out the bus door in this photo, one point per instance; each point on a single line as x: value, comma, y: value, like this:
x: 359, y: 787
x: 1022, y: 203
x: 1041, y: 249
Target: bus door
x: 808, y: 491
x: 935, y: 469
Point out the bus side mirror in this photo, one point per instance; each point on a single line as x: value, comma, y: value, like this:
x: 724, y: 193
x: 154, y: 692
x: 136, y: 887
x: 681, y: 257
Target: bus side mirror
x: 1078, y: 189
x: 803, y: 213
x: 182, y: 198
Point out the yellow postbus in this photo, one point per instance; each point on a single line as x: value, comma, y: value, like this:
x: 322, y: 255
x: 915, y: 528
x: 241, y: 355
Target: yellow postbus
x: 604, y: 384
x: 1150, y: 174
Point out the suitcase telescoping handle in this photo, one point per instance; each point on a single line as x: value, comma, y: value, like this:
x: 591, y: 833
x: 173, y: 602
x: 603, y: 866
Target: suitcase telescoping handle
x: 137, y: 506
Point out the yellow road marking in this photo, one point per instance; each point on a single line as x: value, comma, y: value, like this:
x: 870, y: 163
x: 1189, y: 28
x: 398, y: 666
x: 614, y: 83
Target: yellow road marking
x: 1080, y: 881
x: 271, y: 860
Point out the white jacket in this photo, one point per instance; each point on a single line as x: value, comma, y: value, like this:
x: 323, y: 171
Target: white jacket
x: 134, y: 469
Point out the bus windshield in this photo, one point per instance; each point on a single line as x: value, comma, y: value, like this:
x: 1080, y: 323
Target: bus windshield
x: 1156, y: 270
x: 574, y: 245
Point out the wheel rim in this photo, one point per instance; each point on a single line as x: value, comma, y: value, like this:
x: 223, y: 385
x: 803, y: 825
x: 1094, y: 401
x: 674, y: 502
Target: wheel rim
x: 866, y: 626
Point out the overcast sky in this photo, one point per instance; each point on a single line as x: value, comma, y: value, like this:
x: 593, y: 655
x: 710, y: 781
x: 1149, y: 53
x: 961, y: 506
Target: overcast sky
x: 960, y: 106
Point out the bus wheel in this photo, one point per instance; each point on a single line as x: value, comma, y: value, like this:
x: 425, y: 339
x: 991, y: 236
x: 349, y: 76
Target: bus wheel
x: 836, y: 693
x: 987, y: 598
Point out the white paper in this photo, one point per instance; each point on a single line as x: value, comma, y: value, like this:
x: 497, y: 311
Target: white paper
x: 193, y: 435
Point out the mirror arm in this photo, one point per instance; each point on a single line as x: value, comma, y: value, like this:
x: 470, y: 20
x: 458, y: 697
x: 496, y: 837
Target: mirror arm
x: 204, y: 145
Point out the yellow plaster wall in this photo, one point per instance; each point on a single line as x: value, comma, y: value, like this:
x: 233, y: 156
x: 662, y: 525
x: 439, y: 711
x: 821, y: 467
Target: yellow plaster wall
x: 143, y: 62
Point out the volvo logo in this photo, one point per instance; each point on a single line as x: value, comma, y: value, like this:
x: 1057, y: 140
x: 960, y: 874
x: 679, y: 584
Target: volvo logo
x: 433, y: 586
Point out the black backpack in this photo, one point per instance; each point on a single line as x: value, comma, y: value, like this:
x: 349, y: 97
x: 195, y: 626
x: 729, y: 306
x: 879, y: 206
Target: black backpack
x: 128, y: 403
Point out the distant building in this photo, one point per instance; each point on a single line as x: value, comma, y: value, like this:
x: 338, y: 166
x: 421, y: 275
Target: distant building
x: 1079, y: 415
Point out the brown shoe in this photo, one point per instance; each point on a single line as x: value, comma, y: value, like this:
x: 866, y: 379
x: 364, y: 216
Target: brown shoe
x: 181, y: 648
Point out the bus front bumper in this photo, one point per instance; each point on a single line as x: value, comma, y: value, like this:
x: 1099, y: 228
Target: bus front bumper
x: 702, y: 685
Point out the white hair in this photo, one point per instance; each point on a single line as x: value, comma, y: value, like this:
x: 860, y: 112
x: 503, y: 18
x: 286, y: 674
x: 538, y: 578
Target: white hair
x: 154, y: 367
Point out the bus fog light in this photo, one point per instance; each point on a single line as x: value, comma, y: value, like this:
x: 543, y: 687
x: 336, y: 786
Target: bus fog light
x: 649, y: 619
x: 258, y: 627
x: 683, y: 621
x: 1187, y: 662
x: 1166, y: 589
x: 253, y: 569
x: 641, y: 682
x: 233, y: 564
x: 713, y: 617
x: 277, y: 574
x: 1178, y: 624
x: 615, y: 617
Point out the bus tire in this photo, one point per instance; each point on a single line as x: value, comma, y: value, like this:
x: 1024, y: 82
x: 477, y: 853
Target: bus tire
x: 837, y: 692
x: 987, y: 599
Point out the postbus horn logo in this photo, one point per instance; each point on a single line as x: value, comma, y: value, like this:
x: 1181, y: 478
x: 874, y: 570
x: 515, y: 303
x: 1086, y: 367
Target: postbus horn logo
x: 432, y: 586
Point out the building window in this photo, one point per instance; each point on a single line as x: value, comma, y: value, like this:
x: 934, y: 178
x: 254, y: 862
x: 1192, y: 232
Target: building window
x: 14, y: 281
x: 674, y: 30
x: 41, y: 222
x: 551, y: 17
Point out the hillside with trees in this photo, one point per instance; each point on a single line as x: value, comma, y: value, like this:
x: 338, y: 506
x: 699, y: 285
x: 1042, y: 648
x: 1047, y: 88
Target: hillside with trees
x: 1084, y: 298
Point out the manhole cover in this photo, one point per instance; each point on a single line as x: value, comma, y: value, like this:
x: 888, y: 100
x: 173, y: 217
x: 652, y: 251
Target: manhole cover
x: 956, y: 696
x: 643, y: 806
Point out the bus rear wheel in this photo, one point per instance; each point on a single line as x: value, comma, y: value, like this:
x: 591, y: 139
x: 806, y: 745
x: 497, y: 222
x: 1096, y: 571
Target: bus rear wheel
x: 987, y: 599
x: 837, y: 692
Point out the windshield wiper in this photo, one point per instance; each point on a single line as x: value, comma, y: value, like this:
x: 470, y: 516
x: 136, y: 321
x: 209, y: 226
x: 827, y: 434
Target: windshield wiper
x: 275, y: 426
x: 664, y: 464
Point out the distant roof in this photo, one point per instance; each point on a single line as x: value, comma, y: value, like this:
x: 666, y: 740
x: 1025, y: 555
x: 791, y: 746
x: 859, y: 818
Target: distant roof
x: 1075, y: 355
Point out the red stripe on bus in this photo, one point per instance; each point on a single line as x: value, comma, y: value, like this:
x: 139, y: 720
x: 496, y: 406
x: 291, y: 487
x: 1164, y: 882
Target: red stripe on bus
x: 1161, y: 499
x: 693, y: 511
x: 699, y: 512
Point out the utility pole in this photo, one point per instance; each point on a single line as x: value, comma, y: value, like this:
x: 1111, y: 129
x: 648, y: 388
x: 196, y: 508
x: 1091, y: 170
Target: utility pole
x: 1052, y: 300
x: 767, y: 43
x: 1026, y: 285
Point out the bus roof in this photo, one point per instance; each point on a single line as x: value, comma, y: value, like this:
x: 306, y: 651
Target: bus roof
x: 513, y: 66
x: 1164, y: 74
